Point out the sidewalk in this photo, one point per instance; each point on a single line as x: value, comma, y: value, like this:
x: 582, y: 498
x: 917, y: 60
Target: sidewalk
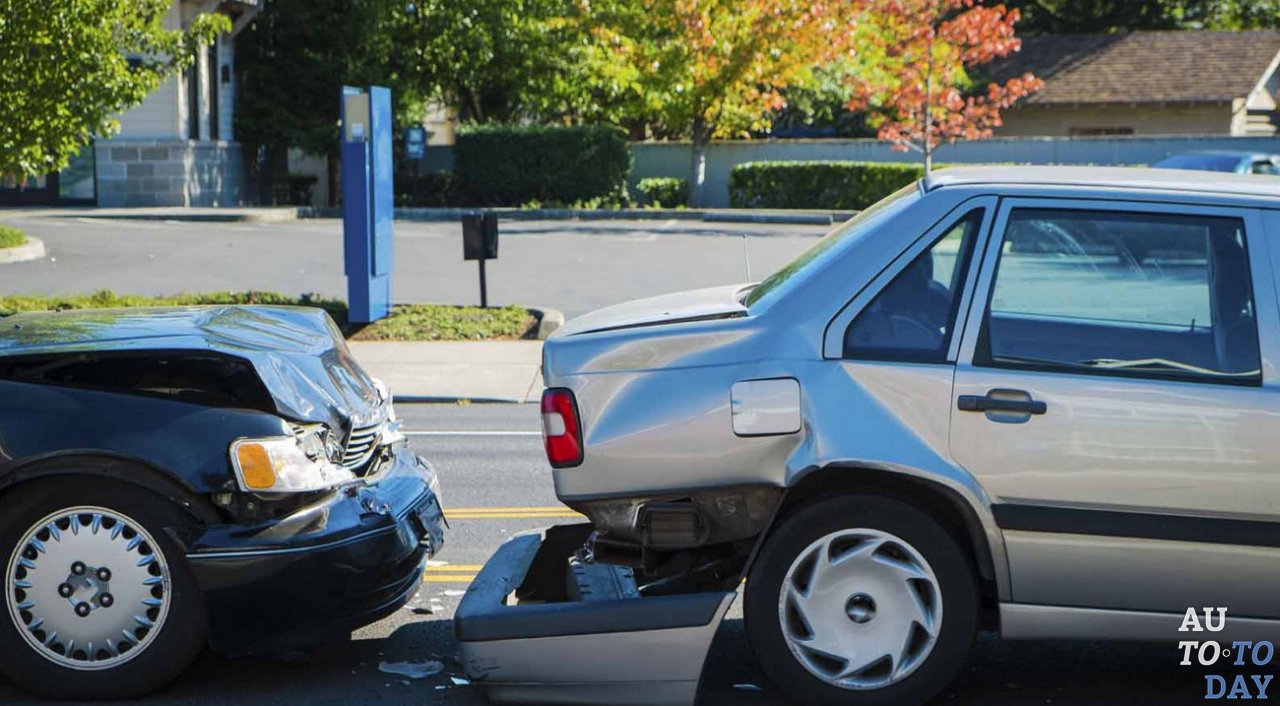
x: 446, y: 371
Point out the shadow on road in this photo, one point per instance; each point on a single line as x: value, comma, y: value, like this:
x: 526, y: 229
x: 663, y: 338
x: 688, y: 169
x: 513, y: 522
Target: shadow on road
x: 1001, y: 674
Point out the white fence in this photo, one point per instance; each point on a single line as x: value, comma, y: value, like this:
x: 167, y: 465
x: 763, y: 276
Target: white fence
x: 675, y: 158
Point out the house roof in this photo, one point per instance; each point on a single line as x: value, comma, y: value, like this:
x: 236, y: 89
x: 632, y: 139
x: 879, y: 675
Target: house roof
x: 1144, y: 67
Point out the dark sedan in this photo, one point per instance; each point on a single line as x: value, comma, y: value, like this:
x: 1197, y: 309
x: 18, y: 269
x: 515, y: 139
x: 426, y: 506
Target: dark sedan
x: 171, y: 478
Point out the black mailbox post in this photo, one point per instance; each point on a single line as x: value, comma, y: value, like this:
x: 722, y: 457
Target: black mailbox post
x: 480, y: 243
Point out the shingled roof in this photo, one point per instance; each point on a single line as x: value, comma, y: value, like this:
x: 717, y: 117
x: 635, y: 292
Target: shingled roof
x: 1144, y: 67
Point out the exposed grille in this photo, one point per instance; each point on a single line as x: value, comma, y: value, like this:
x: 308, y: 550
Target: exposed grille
x: 360, y: 447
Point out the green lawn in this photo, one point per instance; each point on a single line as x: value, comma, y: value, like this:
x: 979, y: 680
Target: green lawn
x: 413, y: 322
x: 11, y: 237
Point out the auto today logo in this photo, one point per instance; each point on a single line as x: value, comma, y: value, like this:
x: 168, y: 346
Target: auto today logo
x: 1241, y: 653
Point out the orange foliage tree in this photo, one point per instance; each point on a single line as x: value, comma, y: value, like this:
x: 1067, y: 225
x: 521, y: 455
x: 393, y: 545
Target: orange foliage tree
x: 717, y: 68
x: 917, y: 87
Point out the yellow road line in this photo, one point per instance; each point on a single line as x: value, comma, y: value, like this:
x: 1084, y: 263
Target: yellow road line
x: 509, y: 513
x: 454, y: 568
x: 553, y: 508
x: 448, y: 579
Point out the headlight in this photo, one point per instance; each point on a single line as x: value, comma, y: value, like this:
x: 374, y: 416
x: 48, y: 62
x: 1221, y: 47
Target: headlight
x: 285, y: 464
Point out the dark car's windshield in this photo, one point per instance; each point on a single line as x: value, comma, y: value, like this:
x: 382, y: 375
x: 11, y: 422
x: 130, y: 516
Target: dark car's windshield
x: 852, y: 229
x: 1201, y: 162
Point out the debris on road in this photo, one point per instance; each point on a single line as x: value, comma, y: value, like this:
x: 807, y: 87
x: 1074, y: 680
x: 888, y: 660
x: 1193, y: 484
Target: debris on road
x: 413, y: 670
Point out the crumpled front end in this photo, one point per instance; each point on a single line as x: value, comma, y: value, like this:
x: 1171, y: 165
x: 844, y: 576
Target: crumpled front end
x: 344, y: 560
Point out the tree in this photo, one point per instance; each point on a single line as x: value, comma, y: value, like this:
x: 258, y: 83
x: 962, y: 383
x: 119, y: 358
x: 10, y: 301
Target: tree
x: 1116, y: 16
x: 68, y: 67
x: 292, y: 63
x: 504, y: 60
x: 1099, y: 16
x: 916, y: 93
x: 715, y: 68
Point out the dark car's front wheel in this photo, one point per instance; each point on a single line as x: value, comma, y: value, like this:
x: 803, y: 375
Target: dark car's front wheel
x: 98, y: 601
x: 860, y: 601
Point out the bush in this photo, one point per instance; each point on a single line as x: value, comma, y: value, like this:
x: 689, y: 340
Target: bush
x: 509, y: 165
x: 834, y: 185
x: 430, y: 190
x: 664, y: 192
x: 11, y: 237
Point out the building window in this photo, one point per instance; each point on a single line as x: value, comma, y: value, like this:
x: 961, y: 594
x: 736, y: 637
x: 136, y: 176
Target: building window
x: 1099, y: 131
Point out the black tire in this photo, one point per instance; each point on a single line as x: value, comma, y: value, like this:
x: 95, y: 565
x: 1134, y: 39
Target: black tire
x: 169, y: 652
x: 952, y: 567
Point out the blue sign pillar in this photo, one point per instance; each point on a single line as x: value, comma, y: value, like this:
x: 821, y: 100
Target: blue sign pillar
x: 368, y: 201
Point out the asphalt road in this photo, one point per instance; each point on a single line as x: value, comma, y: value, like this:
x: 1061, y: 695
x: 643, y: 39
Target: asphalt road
x: 496, y: 483
x: 574, y: 266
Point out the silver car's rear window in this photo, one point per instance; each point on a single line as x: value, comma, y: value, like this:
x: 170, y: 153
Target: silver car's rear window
x: 847, y: 232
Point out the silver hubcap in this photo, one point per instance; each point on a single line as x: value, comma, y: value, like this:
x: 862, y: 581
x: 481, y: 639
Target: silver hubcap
x: 860, y: 609
x: 88, y: 588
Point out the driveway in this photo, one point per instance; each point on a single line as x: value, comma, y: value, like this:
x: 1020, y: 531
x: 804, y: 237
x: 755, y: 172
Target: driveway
x: 574, y: 266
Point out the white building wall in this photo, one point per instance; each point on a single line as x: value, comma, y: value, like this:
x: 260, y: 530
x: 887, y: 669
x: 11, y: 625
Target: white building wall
x: 159, y: 116
x: 1061, y: 121
x: 226, y: 91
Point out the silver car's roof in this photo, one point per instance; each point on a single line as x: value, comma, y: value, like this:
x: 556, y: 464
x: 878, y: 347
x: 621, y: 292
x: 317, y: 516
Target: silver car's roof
x: 1167, y: 180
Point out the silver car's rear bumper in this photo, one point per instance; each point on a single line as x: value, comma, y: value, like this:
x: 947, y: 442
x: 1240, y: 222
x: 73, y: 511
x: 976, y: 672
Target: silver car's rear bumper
x: 526, y: 642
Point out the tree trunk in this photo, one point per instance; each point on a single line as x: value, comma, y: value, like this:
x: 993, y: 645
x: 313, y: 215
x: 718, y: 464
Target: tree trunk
x: 698, y: 175
x: 332, y: 174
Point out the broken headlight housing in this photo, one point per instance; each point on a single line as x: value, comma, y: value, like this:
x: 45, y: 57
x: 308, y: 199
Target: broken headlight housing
x: 305, y: 462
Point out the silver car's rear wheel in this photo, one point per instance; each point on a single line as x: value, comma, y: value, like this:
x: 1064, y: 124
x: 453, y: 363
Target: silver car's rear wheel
x: 89, y: 588
x: 860, y: 608
x: 844, y: 605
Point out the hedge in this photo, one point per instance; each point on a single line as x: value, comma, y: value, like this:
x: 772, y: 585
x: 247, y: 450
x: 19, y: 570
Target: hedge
x: 515, y: 165
x: 664, y: 192
x: 834, y: 185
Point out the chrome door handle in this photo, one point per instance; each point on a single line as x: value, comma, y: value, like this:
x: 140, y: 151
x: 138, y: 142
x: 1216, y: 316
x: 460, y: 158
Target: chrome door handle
x: 987, y: 403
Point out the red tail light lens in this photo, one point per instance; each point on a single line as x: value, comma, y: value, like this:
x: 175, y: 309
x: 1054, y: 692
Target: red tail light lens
x: 561, y: 431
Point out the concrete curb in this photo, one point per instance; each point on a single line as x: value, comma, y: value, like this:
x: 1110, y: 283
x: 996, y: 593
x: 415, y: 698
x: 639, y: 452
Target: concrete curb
x: 548, y: 321
x: 274, y: 215
x: 717, y: 215
x: 33, y: 249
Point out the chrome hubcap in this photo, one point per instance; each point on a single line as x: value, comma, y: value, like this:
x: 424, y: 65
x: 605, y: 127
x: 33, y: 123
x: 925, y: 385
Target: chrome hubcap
x: 88, y: 588
x: 860, y: 609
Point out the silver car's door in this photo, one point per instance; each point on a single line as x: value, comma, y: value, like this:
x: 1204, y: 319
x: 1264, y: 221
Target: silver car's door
x: 1112, y: 399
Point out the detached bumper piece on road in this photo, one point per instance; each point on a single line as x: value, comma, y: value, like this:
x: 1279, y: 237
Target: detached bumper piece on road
x: 329, y: 568
x: 535, y: 629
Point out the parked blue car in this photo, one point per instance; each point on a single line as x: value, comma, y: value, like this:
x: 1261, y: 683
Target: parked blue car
x: 1223, y: 161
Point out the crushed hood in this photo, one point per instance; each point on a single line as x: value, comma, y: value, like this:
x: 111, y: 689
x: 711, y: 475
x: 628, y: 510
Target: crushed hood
x: 696, y: 305
x: 298, y: 352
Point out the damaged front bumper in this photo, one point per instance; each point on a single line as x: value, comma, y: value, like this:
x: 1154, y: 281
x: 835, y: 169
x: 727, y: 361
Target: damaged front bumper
x: 534, y: 629
x: 349, y: 559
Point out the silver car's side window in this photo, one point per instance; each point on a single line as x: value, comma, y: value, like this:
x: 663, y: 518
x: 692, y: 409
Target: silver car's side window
x: 913, y: 318
x: 1112, y: 293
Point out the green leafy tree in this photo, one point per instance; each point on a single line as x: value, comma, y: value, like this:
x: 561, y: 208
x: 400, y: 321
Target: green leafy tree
x: 68, y: 67
x: 717, y: 68
x: 503, y: 60
x: 292, y: 62
x: 1116, y: 16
